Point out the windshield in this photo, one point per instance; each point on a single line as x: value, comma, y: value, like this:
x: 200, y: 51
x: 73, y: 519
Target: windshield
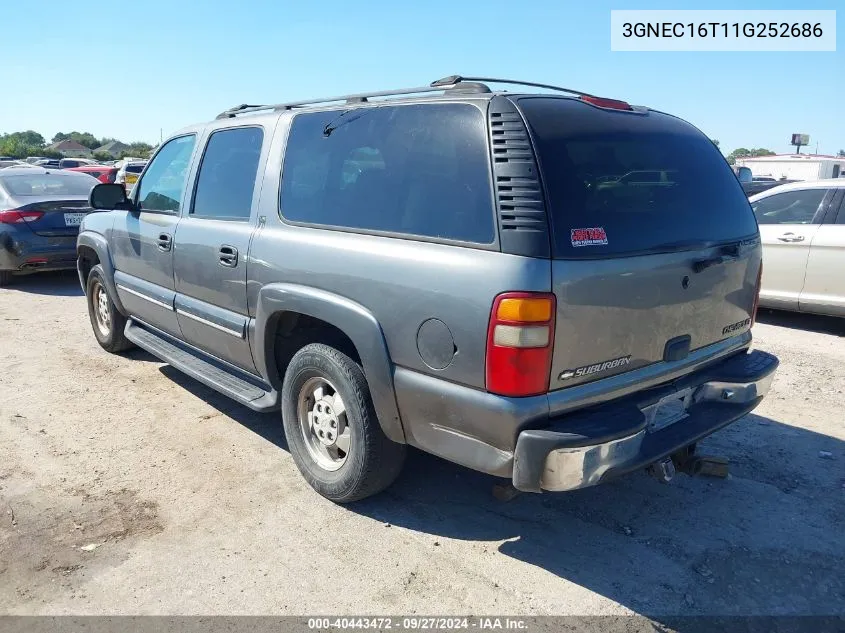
x: 68, y: 184
x: 625, y: 184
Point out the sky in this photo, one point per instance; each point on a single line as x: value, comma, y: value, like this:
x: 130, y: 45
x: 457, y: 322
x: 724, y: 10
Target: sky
x: 139, y: 70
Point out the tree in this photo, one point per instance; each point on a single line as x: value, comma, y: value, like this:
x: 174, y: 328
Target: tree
x: 102, y: 156
x: 83, y: 138
x: 841, y: 153
x: 715, y: 142
x: 22, y: 144
x: 744, y: 152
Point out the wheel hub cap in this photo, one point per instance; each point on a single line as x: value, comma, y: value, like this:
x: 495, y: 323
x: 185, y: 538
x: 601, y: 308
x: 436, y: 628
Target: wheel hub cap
x: 323, y: 423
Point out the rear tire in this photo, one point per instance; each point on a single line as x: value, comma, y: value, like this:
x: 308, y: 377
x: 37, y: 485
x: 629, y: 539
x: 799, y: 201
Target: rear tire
x: 5, y: 277
x: 331, y: 427
x: 108, y: 324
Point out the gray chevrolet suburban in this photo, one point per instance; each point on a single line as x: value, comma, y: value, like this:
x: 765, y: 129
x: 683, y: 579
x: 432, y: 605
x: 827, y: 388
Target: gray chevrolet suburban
x: 550, y: 287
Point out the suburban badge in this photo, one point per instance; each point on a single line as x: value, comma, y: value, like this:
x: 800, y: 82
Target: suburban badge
x: 587, y: 370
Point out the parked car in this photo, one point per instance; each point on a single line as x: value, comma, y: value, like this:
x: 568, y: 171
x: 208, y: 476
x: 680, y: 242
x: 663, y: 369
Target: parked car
x: 68, y: 163
x: 759, y: 186
x: 348, y: 263
x: 103, y: 173
x: 12, y: 162
x: 127, y: 174
x: 32, y: 160
x: 48, y: 163
x: 40, y: 214
x: 803, y: 230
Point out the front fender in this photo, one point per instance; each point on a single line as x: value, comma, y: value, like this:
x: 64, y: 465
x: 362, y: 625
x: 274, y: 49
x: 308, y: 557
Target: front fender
x: 353, y: 319
x: 100, y: 245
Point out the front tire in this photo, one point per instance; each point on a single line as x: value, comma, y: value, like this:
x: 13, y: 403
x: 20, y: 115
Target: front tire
x: 331, y: 426
x: 108, y: 324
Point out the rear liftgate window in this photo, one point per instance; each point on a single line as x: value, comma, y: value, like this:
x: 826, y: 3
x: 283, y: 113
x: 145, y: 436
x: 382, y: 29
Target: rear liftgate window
x: 622, y: 184
x: 418, y: 170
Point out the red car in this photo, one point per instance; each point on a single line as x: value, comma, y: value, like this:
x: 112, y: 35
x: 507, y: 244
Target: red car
x: 103, y: 173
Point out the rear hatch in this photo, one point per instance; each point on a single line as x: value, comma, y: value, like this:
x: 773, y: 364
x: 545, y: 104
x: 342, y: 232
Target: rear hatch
x: 655, y: 248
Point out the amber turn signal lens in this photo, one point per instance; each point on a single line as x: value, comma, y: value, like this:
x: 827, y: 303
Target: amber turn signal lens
x: 535, y: 310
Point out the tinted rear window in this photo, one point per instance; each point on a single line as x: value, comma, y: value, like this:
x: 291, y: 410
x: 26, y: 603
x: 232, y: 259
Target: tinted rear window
x: 623, y: 183
x: 417, y: 170
x: 49, y: 184
x: 135, y: 169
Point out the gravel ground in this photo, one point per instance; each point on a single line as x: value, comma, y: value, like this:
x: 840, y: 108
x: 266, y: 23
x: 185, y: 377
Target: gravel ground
x: 126, y: 487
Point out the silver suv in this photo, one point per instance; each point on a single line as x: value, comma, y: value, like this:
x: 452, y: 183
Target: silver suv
x: 554, y: 288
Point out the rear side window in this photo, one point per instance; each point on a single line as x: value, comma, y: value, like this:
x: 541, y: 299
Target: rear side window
x: 789, y: 207
x: 135, y: 169
x: 624, y: 184
x: 419, y: 170
x: 228, y: 173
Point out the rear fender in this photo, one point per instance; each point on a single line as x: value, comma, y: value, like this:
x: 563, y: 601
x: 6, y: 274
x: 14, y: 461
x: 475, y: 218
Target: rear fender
x: 353, y: 319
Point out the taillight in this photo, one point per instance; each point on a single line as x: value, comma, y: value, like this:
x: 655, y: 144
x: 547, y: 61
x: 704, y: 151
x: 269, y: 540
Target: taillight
x: 757, y: 294
x: 16, y: 216
x: 603, y: 102
x: 519, y: 343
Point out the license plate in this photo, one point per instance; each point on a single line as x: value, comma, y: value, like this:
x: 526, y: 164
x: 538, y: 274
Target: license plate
x: 131, y: 178
x: 668, y: 410
x: 74, y: 219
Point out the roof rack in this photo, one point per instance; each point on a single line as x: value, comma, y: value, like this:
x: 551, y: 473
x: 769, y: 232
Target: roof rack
x: 454, y: 80
x: 353, y: 98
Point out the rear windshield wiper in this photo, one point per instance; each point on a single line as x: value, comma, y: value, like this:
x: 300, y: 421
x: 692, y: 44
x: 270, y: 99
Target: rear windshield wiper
x: 336, y: 122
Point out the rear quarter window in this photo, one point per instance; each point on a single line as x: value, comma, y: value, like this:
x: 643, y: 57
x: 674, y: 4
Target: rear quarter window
x: 622, y: 183
x: 418, y: 170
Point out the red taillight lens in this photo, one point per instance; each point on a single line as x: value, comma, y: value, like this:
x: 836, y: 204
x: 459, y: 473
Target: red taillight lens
x: 15, y: 216
x: 602, y: 102
x: 757, y: 294
x: 520, y: 338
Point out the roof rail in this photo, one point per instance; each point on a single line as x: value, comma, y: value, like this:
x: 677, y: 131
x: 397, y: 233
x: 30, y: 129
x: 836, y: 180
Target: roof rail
x: 454, y: 80
x: 362, y: 97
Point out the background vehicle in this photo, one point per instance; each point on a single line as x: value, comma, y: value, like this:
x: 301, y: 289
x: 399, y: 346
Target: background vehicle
x: 103, y: 173
x: 348, y: 262
x: 127, y: 174
x: 803, y: 230
x: 32, y: 160
x: 759, y: 186
x: 67, y: 163
x: 13, y: 162
x: 48, y: 163
x: 40, y: 214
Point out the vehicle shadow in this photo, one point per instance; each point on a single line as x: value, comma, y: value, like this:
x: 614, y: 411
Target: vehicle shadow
x: 758, y: 543
x: 266, y: 425
x: 802, y: 321
x: 764, y: 541
x: 62, y: 283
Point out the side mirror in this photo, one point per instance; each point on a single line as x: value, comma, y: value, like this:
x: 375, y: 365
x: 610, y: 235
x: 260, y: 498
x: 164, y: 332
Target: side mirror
x: 110, y: 196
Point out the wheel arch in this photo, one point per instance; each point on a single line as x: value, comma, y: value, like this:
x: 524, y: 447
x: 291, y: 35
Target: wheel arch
x: 89, y: 243
x: 353, y: 320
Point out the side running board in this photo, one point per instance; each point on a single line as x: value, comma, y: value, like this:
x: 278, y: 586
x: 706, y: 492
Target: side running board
x: 229, y: 382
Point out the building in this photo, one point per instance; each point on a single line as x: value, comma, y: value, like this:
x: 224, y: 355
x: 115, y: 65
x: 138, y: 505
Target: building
x: 796, y: 166
x: 113, y: 149
x: 70, y: 149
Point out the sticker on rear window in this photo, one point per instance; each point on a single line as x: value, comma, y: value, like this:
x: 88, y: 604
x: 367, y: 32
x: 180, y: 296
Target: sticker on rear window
x: 588, y: 237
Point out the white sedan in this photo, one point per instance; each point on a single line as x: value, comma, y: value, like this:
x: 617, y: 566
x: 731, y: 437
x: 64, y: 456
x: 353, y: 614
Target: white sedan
x: 802, y: 225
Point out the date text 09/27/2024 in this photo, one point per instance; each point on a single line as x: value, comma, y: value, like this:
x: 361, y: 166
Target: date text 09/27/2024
x: 419, y: 623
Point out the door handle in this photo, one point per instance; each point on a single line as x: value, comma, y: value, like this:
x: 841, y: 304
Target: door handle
x: 228, y: 256
x: 164, y: 241
x: 791, y: 237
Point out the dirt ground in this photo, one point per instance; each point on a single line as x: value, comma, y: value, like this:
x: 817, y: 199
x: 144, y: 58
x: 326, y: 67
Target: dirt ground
x: 126, y: 487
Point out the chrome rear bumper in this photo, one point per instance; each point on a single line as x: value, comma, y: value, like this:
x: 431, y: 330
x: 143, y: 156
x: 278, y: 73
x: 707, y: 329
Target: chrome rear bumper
x: 585, y: 449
